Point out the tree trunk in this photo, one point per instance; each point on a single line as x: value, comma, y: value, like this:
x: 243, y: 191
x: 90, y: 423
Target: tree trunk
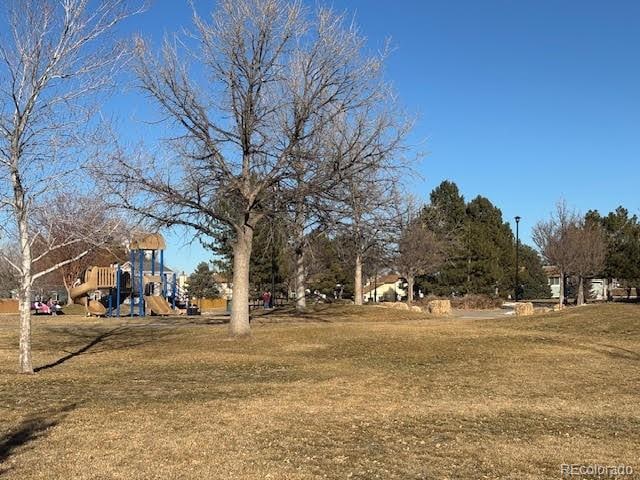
x: 239, y: 324
x: 409, y: 289
x: 25, y: 364
x: 68, y: 289
x: 357, y: 284
x: 580, y: 299
x: 301, y: 291
x: 561, y: 295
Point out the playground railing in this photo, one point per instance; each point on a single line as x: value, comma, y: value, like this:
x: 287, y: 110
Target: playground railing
x: 106, y: 277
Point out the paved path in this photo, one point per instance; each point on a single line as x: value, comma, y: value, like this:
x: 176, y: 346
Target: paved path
x: 481, y: 314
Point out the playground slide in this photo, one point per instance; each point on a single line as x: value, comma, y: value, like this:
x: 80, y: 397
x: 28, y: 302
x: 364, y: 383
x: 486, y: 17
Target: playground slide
x: 93, y: 276
x: 79, y: 293
x: 96, y: 308
x: 158, y: 305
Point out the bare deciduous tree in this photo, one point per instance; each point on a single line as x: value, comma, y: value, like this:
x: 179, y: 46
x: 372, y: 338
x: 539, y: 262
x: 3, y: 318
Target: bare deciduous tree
x: 554, y: 239
x: 420, y: 249
x: 366, y: 199
x: 276, y: 81
x: 590, y: 247
x: 53, y: 58
x: 368, y: 221
x: 80, y: 228
x: 317, y: 167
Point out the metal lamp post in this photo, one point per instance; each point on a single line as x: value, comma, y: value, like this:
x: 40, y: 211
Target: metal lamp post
x: 517, y: 257
x: 273, y: 303
x: 375, y: 287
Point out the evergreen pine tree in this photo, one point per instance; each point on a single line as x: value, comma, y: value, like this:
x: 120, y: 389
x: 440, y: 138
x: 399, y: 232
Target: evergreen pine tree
x: 446, y: 216
x: 489, y: 248
x: 202, y: 283
x: 531, y: 277
x: 481, y: 252
x: 623, y: 246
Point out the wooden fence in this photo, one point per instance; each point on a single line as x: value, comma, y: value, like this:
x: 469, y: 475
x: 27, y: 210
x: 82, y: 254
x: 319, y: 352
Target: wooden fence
x: 8, y: 306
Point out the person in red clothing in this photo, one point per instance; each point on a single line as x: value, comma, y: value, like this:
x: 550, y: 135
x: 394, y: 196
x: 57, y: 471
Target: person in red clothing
x: 266, y: 299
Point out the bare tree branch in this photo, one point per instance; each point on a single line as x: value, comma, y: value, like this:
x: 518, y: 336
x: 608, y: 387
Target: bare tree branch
x: 258, y: 127
x: 55, y: 57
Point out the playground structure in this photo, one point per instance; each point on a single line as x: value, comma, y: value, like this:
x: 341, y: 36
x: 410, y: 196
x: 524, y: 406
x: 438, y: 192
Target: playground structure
x: 104, y: 289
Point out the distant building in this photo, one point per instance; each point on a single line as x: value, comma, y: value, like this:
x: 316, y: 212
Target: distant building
x: 599, y: 287
x: 224, y: 284
x: 183, y: 280
x: 388, y: 288
x: 553, y: 279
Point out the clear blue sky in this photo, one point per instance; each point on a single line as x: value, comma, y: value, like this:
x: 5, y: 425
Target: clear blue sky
x: 523, y: 102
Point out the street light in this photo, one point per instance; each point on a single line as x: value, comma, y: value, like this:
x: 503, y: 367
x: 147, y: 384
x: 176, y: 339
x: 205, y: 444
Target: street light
x: 375, y: 286
x: 517, y: 244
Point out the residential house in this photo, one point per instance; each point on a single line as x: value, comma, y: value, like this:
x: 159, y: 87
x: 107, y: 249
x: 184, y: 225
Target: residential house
x: 599, y: 287
x: 553, y: 279
x: 224, y: 284
x: 389, y: 288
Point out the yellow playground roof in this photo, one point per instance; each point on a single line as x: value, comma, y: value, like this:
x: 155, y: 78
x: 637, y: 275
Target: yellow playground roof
x: 147, y: 241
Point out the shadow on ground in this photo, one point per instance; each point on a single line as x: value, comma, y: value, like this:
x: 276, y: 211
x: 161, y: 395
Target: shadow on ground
x: 29, y: 430
x: 323, y: 313
x: 120, y: 337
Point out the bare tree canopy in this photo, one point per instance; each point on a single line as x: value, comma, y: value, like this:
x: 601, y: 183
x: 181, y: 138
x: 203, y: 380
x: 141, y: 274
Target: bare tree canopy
x: 421, y: 250
x: 55, y: 56
x: 73, y: 233
x: 574, y: 245
x: 269, y: 82
x: 552, y: 237
x: 588, y: 241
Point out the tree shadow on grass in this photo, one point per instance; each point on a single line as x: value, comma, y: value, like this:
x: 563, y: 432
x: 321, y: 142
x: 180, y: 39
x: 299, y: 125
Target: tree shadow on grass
x: 29, y: 430
x: 613, y: 351
x: 114, y: 339
x: 320, y: 313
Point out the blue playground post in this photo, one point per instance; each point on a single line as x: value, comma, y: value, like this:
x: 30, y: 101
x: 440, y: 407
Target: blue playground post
x: 153, y: 271
x: 133, y: 278
x: 110, y: 304
x: 163, y: 283
x: 141, y: 297
x: 118, y: 273
x: 174, y: 290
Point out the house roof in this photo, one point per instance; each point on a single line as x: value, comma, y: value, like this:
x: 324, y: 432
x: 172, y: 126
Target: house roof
x: 551, y: 271
x: 390, y: 279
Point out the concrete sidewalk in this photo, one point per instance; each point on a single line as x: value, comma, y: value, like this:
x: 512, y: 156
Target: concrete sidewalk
x: 481, y: 314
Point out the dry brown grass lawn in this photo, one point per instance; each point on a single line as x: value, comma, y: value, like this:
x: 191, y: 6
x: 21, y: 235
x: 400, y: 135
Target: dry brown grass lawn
x: 344, y: 392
